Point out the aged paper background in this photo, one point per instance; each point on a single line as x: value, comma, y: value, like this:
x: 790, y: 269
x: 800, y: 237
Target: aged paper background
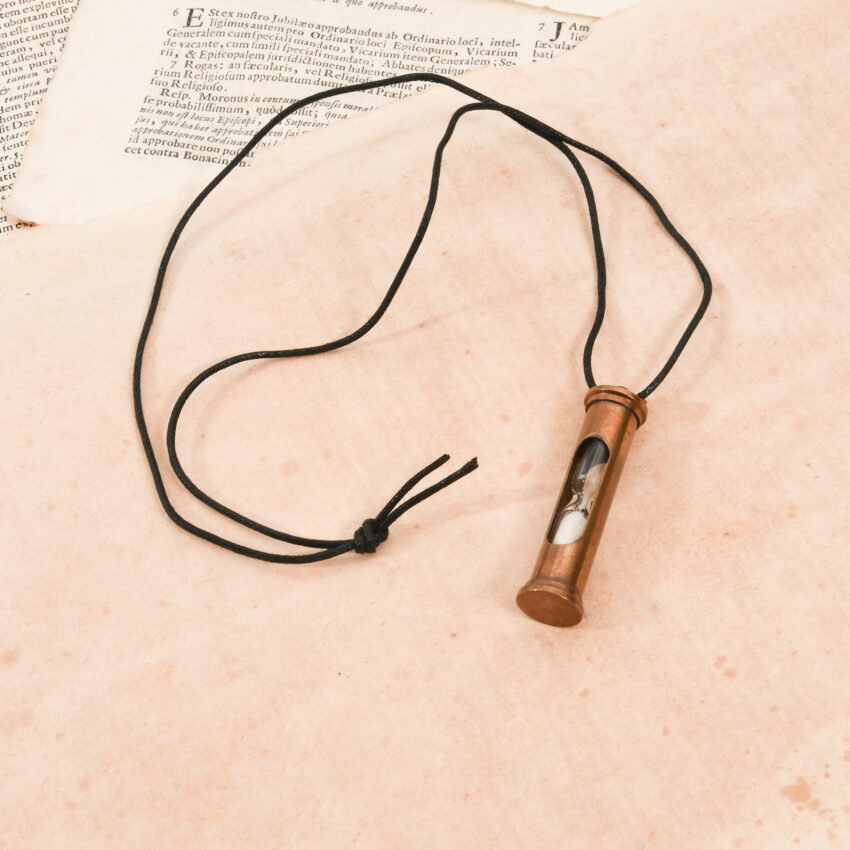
x: 159, y: 692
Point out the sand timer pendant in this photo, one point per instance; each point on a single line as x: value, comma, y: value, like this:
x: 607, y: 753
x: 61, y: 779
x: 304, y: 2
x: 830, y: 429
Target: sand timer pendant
x: 553, y: 594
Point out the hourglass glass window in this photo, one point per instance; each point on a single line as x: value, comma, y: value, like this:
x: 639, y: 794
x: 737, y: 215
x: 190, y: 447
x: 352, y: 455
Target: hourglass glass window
x: 585, y: 479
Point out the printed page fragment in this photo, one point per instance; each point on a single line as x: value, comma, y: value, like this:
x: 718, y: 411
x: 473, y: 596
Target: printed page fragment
x: 591, y: 8
x: 129, y: 121
x: 32, y: 33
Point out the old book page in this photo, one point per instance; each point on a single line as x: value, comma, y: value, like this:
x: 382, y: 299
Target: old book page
x: 594, y: 8
x: 160, y: 692
x: 127, y: 123
x: 32, y: 33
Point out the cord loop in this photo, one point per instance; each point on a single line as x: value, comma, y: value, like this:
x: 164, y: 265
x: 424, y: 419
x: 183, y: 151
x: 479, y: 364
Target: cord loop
x: 374, y: 531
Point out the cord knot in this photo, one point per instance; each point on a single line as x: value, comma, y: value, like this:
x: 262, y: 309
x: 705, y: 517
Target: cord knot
x: 369, y: 536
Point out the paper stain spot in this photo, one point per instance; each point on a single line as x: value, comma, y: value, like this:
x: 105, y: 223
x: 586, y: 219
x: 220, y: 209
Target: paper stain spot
x: 585, y: 693
x: 665, y: 731
x: 508, y: 175
x: 792, y: 511
x: 11, y: 721
x: 799, y: 792
x: 730, y: 672
x: 721, y: 660
x: 289, y: 467
x: 525, y: 468
x: 847, y: 755
x: 10, y: 656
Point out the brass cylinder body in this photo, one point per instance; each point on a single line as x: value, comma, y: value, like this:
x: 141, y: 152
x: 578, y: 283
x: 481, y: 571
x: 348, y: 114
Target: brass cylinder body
x: 553, y: 594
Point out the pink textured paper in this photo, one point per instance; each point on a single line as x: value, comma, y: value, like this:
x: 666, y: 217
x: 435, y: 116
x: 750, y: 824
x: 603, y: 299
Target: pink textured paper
x: 160, y: 692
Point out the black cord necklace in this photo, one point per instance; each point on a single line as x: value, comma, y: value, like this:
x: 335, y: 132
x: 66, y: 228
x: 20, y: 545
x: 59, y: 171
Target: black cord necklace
x: 374, y: 531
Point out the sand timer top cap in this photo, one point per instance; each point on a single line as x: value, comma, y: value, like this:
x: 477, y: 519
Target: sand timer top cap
x: 619, y: 395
